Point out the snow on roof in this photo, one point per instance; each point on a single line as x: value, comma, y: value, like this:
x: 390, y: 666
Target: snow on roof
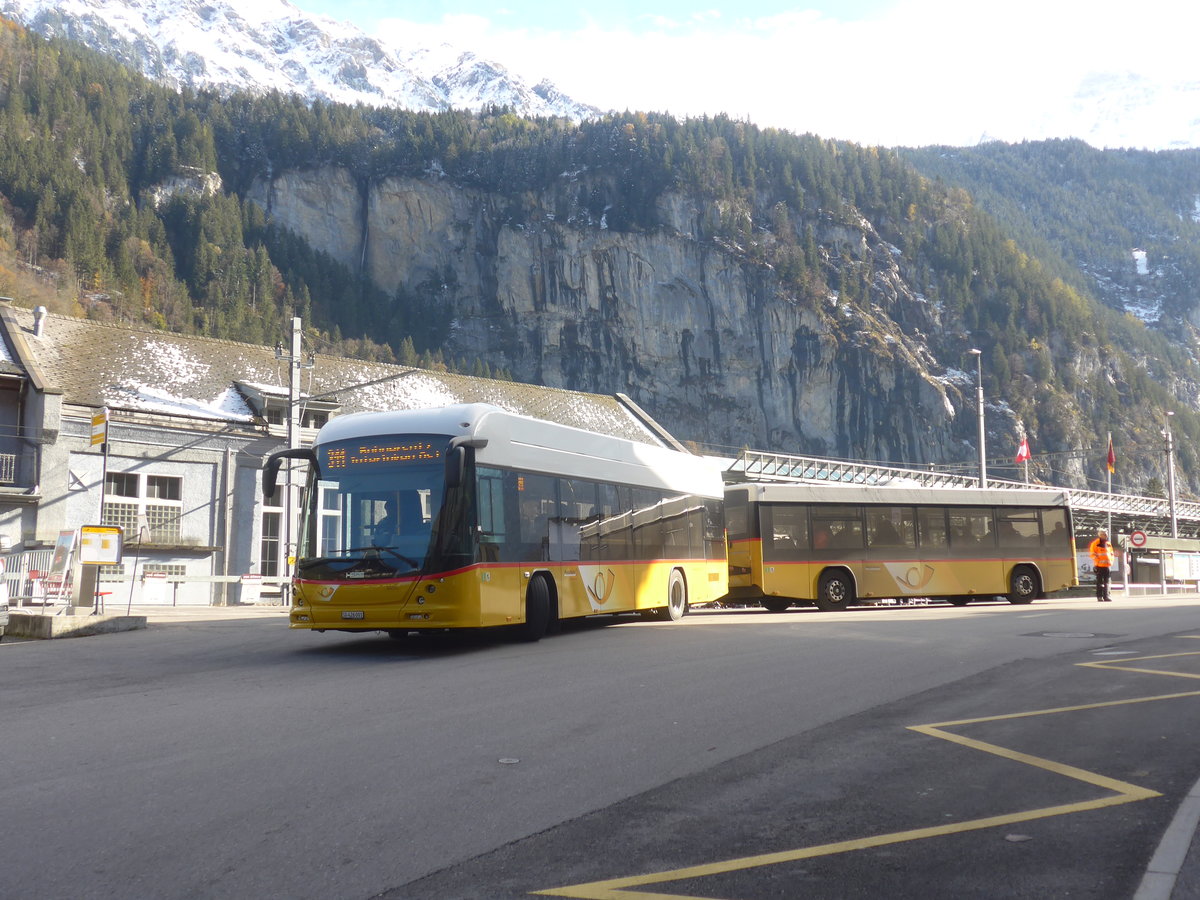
x: 228, y: 405
x: 126, y: 368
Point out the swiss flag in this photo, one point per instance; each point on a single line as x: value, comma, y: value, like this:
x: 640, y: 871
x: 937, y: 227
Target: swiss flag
x: 1023, y: 454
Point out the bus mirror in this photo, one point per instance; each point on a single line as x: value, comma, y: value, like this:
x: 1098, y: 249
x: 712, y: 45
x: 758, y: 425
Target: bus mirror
x: 456, y: 466
x: 275, y: 460
x: 270, y: 476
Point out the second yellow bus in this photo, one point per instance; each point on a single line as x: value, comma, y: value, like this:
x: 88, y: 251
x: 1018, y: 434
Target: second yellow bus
x: 834, y: 546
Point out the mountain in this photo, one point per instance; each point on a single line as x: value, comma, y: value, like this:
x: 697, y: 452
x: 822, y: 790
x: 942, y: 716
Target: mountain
x: 1111, y: 109
x: 746, y: 286
x: 1121, y: 225
x: 261, y: 45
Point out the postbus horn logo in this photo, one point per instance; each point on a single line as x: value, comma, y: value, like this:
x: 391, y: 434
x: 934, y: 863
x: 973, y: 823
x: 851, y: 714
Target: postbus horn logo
x: 601, y: 586
x: 912, y: 577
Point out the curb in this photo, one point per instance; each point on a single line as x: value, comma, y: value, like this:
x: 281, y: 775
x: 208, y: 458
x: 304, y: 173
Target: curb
x: 39, y: 626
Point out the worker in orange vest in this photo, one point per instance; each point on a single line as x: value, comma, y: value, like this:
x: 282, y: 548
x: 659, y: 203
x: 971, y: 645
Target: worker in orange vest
x: 1102, y: 559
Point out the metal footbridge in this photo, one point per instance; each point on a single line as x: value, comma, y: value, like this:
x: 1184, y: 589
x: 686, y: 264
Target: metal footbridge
x: 1124, y: 513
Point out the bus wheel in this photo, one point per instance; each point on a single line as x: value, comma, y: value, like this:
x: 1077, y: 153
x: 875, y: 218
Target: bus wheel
x: 1023, y: 585
x: 774, y: 604
x: 959, y: 600
x: 676, y: 596
x: 835, y: 590
x: 537, y: 610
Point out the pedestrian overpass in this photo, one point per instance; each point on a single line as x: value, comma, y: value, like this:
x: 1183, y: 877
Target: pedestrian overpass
x: 1123, y: 513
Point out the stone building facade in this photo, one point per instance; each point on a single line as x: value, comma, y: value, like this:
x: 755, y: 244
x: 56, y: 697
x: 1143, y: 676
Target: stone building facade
x: 190, y: 421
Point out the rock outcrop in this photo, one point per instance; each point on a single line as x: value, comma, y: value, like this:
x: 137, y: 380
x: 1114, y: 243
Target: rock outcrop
x: 708, y: 343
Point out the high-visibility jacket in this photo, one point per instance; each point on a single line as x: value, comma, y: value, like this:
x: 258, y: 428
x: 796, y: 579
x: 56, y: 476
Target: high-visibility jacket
x: 1102, y: 556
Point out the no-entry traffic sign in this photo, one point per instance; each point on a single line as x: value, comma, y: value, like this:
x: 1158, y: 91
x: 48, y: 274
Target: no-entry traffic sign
x: 1138, y: 539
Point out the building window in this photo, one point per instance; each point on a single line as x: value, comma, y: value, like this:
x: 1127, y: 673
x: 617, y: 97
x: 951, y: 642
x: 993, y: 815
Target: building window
x: 169, y: 569
x: 163, y: 487
x: 121, y: 484
x: 155, y: 500
x: 272, y: 523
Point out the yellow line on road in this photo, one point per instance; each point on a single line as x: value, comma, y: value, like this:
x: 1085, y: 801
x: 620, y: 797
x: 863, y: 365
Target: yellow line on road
x: 1122, y: 792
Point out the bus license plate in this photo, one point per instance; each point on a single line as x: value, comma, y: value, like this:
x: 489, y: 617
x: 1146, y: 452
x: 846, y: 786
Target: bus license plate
x: 353, y: 614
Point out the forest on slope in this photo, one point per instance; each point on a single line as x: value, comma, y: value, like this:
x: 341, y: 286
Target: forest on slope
x: 1086, y: 212
x: 101, y: 215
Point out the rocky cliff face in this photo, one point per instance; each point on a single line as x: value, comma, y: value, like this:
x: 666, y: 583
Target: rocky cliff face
x: 708, y: 343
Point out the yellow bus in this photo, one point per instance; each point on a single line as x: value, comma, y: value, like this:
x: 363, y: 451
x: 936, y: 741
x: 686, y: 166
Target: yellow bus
x: 471, y: 517
x: 833, y: 546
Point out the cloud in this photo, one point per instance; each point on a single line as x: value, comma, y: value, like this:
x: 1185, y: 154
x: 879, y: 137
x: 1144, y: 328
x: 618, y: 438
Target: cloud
x: 918, y: 72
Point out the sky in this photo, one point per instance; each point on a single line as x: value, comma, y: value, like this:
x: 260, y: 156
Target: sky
x: 891, y: 72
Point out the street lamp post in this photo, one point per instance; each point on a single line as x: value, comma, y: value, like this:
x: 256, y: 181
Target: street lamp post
x: 978, y: 354
x: 1170, y: 440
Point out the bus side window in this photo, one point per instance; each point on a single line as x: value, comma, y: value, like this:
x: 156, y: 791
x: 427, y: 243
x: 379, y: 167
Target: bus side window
x: 1054, y: 528
x: 576, y: 505
x: 1018, y: 528
x: 890, y: 526
x: 537, y: 496
x: 971, y: 527
x: 714, y: 530
x: 493, y: 532
x: 844, y: 524
x: 785, y: 531
x: 931, y: 527
x: 603, y: 538
x: 737, y: 511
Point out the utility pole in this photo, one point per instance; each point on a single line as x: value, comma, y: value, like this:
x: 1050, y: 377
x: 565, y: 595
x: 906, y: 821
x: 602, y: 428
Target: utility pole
x: 978, y: 354
x: 1171, y: 474
x: 290, y: 518
x: 1108, y: 471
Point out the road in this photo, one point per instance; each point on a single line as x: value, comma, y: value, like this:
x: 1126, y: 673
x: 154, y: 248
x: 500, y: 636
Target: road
x: 235, y: 758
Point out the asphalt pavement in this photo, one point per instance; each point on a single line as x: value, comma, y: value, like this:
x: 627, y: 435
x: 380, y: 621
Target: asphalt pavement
x: 1173, y: 872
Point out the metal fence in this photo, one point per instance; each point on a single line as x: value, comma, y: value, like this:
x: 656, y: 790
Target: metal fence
x: 25, y: 576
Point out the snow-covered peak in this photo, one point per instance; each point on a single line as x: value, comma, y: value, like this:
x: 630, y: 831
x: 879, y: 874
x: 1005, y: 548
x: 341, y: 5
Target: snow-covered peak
x: 272, y: 45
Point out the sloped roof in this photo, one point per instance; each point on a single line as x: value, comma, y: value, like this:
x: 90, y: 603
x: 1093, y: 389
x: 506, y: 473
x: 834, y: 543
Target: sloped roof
x: 129, y: 368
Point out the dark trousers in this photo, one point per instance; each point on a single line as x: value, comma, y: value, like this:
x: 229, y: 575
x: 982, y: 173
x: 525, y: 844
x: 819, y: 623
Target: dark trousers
x: 1102, y: 583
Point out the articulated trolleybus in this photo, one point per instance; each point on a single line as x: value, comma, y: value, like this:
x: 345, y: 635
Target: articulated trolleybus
x: 832, y: 546
x: 471, y: 517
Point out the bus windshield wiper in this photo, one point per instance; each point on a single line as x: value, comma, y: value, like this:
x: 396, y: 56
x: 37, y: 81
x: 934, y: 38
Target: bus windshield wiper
x: 396, y: 553
x: 309, y: 562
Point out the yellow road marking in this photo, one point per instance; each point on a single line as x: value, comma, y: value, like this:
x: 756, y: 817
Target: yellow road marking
x: 1122, y: 792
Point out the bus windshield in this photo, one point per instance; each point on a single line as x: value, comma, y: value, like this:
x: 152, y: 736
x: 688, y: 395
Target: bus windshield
x: 371, y: 505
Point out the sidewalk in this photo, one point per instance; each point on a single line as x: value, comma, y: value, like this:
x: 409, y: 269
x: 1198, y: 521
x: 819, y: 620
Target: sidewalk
x: 29, y: 622
x: 171, y: 615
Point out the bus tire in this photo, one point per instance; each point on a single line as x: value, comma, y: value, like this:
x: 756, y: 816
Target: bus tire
x: 677, y: 596
x: 775, y: 604
x: 554, y: 619
x: 537, y: 610
x: 835, y: 590
x: 959, y: 599
x: 1023, y: 586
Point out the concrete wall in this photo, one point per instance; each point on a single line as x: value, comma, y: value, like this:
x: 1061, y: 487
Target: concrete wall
x: 220, y: 508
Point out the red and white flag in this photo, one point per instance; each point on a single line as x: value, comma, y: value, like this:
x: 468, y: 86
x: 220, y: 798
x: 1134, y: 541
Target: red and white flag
x: 1023, y: 454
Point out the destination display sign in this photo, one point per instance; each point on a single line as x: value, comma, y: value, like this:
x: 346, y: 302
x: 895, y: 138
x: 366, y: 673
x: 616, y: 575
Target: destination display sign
x: 380, y: 453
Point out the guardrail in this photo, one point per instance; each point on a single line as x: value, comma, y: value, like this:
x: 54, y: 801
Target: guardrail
x: 759, y: 465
